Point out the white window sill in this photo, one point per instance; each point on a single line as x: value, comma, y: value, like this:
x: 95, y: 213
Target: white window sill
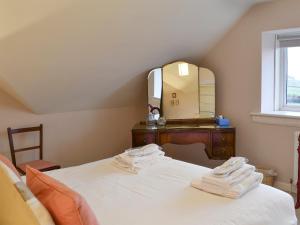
x: 291, y: 119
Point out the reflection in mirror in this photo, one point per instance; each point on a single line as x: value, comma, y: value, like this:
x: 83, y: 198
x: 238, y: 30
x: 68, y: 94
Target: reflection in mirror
x: 155, y: 88
x: 180, y: 91
x: 207, y: 93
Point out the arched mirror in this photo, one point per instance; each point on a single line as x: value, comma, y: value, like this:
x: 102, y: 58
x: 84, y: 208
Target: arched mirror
x: 207, y: 93
x: 155, y: 88
x: 181, y: 90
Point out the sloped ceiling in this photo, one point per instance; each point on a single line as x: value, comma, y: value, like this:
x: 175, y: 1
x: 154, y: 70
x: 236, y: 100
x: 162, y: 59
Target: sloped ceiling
x: 66, y: 55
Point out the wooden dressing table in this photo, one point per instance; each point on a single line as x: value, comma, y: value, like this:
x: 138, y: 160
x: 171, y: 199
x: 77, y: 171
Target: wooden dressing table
x: 219, y: 141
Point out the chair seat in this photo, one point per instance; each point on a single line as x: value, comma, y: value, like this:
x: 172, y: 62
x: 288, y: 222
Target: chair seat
x: 40, y: 165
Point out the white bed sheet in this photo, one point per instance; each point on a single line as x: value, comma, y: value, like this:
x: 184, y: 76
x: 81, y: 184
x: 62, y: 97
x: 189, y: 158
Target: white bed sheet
x: 162, y: 195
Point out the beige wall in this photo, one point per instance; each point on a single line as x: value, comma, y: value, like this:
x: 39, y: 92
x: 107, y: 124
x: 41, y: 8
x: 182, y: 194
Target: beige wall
x: 236, y: 61
x: 101, y: 48
x: 71, y: 138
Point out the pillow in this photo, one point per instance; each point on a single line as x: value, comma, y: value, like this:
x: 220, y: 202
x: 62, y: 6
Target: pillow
x: 8, y: 163
x: 18, y: 200
x: 66, y: 206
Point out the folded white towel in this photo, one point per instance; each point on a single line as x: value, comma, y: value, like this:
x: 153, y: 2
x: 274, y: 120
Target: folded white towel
x: 229, y: 166
x: 124, y: 166
x: 143, y: 151
x: 247, y: 185
x: 119, y: 163
x: 232, y: 179
x: 235, y: 191
x: 133, y: 160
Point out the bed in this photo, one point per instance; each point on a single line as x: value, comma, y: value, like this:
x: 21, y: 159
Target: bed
x: 162, y: 195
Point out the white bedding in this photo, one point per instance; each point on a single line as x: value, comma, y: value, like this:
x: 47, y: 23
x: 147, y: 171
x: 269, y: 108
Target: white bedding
x: 162, y: 195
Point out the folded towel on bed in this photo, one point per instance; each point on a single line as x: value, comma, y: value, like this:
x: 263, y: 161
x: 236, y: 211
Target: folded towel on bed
x: 144, y: 150
x: 234, y: 191
x: 233, y: 178
x: 138, y: 167
x: 234, y: 163
x: 133, y: 160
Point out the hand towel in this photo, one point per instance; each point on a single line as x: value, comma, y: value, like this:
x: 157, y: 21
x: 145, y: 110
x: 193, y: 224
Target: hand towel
x: 229, y: 166
x: 132, y: 160
x: 143, y: 151
x: 117, y: 162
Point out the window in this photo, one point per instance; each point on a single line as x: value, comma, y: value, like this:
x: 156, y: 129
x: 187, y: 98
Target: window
x: 280, y: 78
x: 288, y: 73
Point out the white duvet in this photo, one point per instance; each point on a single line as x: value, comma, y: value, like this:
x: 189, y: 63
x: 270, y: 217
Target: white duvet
x: 162, y: 195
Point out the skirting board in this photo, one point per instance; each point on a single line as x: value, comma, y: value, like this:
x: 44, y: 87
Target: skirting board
x: 285, y: 187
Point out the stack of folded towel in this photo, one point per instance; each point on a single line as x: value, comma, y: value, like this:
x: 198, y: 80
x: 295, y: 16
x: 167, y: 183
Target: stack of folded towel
x: 232, y: 179
x: 137, y: 159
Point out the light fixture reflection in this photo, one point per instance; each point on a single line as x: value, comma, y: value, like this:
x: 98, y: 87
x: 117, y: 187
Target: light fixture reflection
x: 183, y: 69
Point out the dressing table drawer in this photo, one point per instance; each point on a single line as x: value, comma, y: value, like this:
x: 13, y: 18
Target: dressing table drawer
x: 184, y: 137
x: 142, y: 138
x: 223, y: 144
x: 222, y: 153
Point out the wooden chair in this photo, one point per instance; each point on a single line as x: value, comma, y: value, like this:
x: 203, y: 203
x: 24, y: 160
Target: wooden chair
x: 40, y: 164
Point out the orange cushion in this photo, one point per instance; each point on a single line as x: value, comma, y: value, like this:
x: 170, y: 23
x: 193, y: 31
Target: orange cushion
x: 8, y: 163
x: 66, y: 206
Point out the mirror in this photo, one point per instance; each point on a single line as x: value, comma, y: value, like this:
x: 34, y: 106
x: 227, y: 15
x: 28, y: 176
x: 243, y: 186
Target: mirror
x: 155, y: 89
x: 181, y: 90
x: 207, y: 93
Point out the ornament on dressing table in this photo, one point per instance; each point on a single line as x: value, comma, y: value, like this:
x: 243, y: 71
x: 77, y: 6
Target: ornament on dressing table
x: 153, y: 115
x: 222, y: 121
x: 154, y: 118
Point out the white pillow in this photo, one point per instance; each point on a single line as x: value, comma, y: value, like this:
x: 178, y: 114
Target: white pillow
x: 40, y: 212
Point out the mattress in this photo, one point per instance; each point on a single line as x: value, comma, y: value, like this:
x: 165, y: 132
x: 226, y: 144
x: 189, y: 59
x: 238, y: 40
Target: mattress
x: 162, y: 195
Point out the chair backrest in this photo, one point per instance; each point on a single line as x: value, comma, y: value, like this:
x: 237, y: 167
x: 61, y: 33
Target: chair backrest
x: 13, y: 151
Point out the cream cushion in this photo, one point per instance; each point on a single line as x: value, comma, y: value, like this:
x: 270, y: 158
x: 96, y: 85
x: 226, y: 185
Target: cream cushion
x: 19, y: 206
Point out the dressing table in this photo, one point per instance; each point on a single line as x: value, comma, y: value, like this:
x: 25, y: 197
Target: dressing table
x: 184, y: 94
x: 219, y: 141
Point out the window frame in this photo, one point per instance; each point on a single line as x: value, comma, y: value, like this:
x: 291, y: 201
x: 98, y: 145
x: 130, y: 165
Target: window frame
x: 269, y: 113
